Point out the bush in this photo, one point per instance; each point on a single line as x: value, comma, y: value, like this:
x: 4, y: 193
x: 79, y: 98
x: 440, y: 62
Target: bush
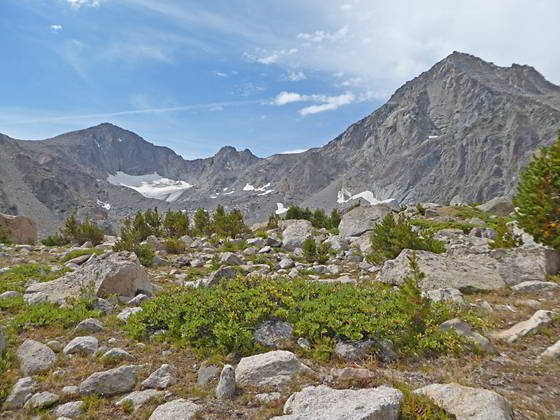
x: 309, y: 250
x: 176, y: 224
x: 224, y: 318
x: 174, y: 246
x: 273, y: 221
x: 16, y: 278
x: 420, y: 209
x: 393, y: 235
x: 5, y: 236
x: 505, y: 238
x: 318, y: 218
x: 538, y: 196
x: 145, y: 254
x: 56, y: 239
x: 201, y: 222
x: 82, y: 232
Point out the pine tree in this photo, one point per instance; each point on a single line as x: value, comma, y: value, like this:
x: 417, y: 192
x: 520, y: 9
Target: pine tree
x: 538, y: 196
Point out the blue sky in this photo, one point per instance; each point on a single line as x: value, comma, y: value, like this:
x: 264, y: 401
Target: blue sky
x: 271, y: 76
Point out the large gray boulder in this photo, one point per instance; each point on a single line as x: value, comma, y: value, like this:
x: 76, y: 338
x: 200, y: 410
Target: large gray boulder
x: 139, y: 398
x: 268, y: 369
x: 500, y: 206
x: 176, y: 410
x: 161, y: 378
x: 468, y: 403
x: 69, y: 410
x: 296, y: 232
x: 110, y: 382
x: 115, y: 273
x: 34, y: 357
x: 361, y: 220
x: 518, y: 265
x: 324, y: 403
x: 465, y: 273
x: 41, y: 400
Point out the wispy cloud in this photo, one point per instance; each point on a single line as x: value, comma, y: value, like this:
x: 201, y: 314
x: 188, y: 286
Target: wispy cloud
x: 271, y: 58
x: 220, y: 74
x: 56, y: 28
x: 296, y: 76
x: 320, y: 36
x: 76, y: 4
x: 326, y: 103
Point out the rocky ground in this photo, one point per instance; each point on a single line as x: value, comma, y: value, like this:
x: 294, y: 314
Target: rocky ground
x: 78, y: 366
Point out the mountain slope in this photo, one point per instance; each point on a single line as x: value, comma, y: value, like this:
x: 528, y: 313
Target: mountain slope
x: 460, y: 131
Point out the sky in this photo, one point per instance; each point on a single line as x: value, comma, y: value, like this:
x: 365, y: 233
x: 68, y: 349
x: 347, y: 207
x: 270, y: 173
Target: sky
x: 271, y: 76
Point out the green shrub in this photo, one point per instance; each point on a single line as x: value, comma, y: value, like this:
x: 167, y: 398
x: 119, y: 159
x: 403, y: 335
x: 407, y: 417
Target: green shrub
x: 420, y: 209
x: 432, y: 226
x: 318, y: 218
x: 538, y: 196
x: 323, y: 253
x: 505, y: 238
x: 223, y: 318
x: 82, y: 232
x: 309, y: 250
x: 261, y: 234
x: 56, y: 239
x: 46, y: 314
x: 15, y: 278
x: 5, y: 236
x: 393, y: 235
x: 202, y: 222
x: 174, y: 246
x: 273, y: 221
x: 145, y: 254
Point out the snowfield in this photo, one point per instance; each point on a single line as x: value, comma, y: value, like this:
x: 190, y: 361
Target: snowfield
x: 151, y: 185
x: 345, y: 196
x: 106, y: 206
x: 281, y: 209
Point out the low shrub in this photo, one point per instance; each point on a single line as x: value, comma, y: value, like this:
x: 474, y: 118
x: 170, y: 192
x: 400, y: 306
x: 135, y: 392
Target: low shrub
x: 145, y: 254
x: 505, y: 238
x: 46, y: 314
x: 176, y: 224
x: 15, y: 278
x: 56, y: 239
x: 394, y: 234
x: 81, y: 232
x: 223, y: 318
x: 5, y: 236
x: 309, y: 250
x: 318, y: 218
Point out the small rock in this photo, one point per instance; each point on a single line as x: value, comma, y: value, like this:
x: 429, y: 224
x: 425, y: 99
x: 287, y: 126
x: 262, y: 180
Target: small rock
x: 229, y: 258
x: 353, y: 350
x: 137, y: 300
x: 226, y: 387
x: 304, y: 343
x: 353, y: 373
x: 552, y: 352
x: 273, y: 333
x: 125, y: 313
x: 35, y: 357
x: 176, y: 410
x: 265, y: 250
x: 523, y: 328
x: 446, y: 294
x: 465, y: 330
x: 118, y: 354
x: 103, y: 305
x: 21, y: 392
x: 268, y: 397
x: 70, y: 390
x: 82, y: 345
x: 41, y: 400
x: 9, y: 294
x: 206, y: 373
x: 55, y: 346
x: 285, y: 264
x: 70, y: 409
x: 161, y: 378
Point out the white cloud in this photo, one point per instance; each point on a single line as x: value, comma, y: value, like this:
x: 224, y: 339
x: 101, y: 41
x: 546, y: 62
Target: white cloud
x: 327, y: 103
x: 56, y: 28
x: 320, y: 36
x: 345, y: 7
x: 332, y: 103
x: 220, y: 74
x: 271, y: 58
x: 76, y: 4
x: 296, y: 76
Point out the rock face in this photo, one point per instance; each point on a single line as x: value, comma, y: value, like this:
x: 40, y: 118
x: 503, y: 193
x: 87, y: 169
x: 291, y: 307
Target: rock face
x: 113, y: 273
x: 175, y: 410
x: 268, y: 369
x: 110, y: 382
x: 466, y: 273
x: 34, y: 357
x: 361, y: 220
x: 21, y: 229
x: 296, y: 233
x: 324, y: 403
x: 469, y: 403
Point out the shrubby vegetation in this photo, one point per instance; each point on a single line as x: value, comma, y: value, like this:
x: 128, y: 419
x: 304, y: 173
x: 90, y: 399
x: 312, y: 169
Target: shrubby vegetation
x: 4, y: 236
x: 318, y: 218
x: 16, y: 277
x: 81, y: 232
x: 313, y: 253
x: 56, y: 239
x: 394, y: 234
x: 505, y: 238
x: 538, y: 196
x: 223, y: 318
x: 221, y: 223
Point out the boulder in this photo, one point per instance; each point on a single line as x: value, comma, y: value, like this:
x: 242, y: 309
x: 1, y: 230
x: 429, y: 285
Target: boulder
x: 226, y: 387
x: 463, y: 329
x: 523, y: 328
x: 176, y: 410
x: 21, y: 392
x: 552, y: 352
x: 354, y: 350
x: 110, y: 382
x: 162, y: 378
x: 206, y: 373
x: 111, y: 274
x: 535, y: 286
x: 127, y: 312
x: 468, y: 403
x: 518, y: 265
x: 90, y: 325
x: 337, y: 243
x: 21, y: 229
x: 324, y: 403
x: 70, y: 409
x: 273, y: 333
x: 296, y: 233
x: 41, y: 400
x: 445, y: 294
x: 361, y: 219
x: 139, y: 398
x: 229, y: 258
x: 117, y: 354
x: 34, y: 357
x: 82, y: 345
x: 218, y: 275
x: 465, y: 273
x: 268, y: 369
x: 499, y: 206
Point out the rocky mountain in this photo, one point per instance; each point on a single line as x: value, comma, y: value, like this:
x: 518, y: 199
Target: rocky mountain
x: 460, y: 131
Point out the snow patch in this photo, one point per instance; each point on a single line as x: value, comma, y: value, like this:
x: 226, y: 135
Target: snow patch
x: 266, y: 192
x: 250, y: 187
x: 433, y: 137
x: 228, y: 193
x: 280, y: 208
x: 120, y: 140
x: 151, y: 185
x: 345, y: 196
x: 106, y: 206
